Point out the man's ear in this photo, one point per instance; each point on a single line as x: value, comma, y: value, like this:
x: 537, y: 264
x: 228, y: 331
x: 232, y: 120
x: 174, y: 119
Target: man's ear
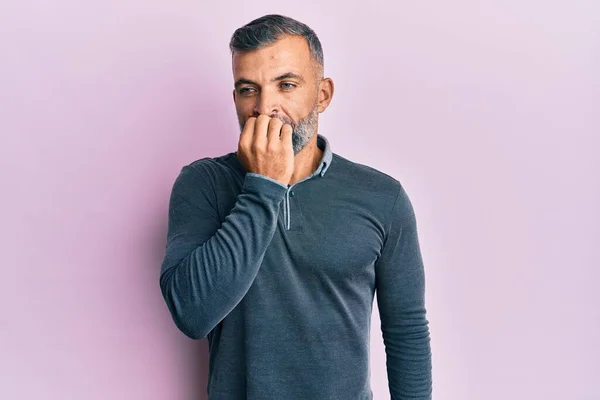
x: 326, y: 89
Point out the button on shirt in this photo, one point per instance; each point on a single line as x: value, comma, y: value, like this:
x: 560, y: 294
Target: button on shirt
x: 281, y: 279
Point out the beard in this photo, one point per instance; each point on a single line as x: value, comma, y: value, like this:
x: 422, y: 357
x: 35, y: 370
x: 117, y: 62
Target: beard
x: 302, y: 131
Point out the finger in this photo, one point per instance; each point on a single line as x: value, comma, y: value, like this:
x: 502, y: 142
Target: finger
x: 286, y: 135
x: 261, y: 128
x: 274, y: 130
x: 247, y: 133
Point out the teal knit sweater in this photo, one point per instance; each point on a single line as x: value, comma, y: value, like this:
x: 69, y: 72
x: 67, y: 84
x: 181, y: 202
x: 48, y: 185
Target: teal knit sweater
x: 281, y: 279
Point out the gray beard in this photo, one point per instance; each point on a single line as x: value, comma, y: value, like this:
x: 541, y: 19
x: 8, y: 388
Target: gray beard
x: 302, y: 131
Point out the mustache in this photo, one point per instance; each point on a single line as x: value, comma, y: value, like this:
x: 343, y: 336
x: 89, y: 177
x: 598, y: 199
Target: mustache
x: 285, y: 120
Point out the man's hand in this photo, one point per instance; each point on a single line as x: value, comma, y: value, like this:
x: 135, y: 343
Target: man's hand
x: 265, y: 147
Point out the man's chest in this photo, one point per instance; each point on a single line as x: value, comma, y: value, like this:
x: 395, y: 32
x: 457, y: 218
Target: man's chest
x: 334, y: 238
x: 334, y: 233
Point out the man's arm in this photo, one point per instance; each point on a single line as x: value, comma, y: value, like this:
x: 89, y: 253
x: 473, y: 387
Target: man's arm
x: 208, y: 267
x: 400, y: 285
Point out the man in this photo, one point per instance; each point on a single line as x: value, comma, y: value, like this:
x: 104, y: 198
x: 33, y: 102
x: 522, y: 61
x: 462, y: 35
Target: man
x: 275, y: 252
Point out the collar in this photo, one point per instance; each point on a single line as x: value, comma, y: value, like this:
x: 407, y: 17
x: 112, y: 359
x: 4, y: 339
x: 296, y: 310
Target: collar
x: 323, y: 144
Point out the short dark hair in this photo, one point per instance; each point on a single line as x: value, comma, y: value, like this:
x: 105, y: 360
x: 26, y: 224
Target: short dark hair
x: 266, y: 30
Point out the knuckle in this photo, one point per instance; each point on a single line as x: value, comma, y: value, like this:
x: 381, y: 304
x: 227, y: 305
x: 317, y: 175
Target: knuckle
x: 251, y: 121
x: 275, y: 130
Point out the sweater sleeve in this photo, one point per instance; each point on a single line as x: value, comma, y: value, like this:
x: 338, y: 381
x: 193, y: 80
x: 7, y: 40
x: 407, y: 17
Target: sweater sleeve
x: 209, y: 266
x: 400, y: 288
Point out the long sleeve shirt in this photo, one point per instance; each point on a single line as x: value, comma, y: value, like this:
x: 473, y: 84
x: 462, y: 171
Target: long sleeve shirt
x: 281, y: 279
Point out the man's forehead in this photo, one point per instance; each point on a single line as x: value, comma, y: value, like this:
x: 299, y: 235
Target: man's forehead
x: 290, y: 53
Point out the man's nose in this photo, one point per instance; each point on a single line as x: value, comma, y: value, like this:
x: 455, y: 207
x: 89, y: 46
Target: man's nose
x: 266, y: 104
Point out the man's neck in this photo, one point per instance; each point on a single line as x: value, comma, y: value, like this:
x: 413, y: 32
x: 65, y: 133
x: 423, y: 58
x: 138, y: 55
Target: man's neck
x: 307, y: 160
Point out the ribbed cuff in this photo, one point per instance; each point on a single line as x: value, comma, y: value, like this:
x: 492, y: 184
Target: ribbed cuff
x: 263, y: 185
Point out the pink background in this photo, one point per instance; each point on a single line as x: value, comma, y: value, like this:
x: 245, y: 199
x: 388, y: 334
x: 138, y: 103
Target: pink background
x: 489, y: 115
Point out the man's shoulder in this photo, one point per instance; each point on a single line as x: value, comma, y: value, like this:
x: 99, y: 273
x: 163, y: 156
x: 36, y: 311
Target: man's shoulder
x: 365, y: 175
x: 379, y: 186
x: 212, y: 162
x: 215, y: 167
x: 208, y: 172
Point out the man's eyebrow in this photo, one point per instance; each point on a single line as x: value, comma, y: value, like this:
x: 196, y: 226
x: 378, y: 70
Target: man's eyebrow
x: 244, y: 81
x: 287, y: 75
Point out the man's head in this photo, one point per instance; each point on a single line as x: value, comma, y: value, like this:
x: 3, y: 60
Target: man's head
x: 278, y: 71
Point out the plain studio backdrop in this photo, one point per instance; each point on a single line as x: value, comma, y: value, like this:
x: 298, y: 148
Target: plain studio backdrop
x: 487, y: 113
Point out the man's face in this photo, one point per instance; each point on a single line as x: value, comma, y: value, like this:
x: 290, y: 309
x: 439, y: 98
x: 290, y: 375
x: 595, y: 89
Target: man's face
x: 279, y: 80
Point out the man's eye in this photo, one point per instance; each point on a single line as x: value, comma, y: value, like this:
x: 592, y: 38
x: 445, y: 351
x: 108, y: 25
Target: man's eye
x: 246, y: 90
x: 287, y: 85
